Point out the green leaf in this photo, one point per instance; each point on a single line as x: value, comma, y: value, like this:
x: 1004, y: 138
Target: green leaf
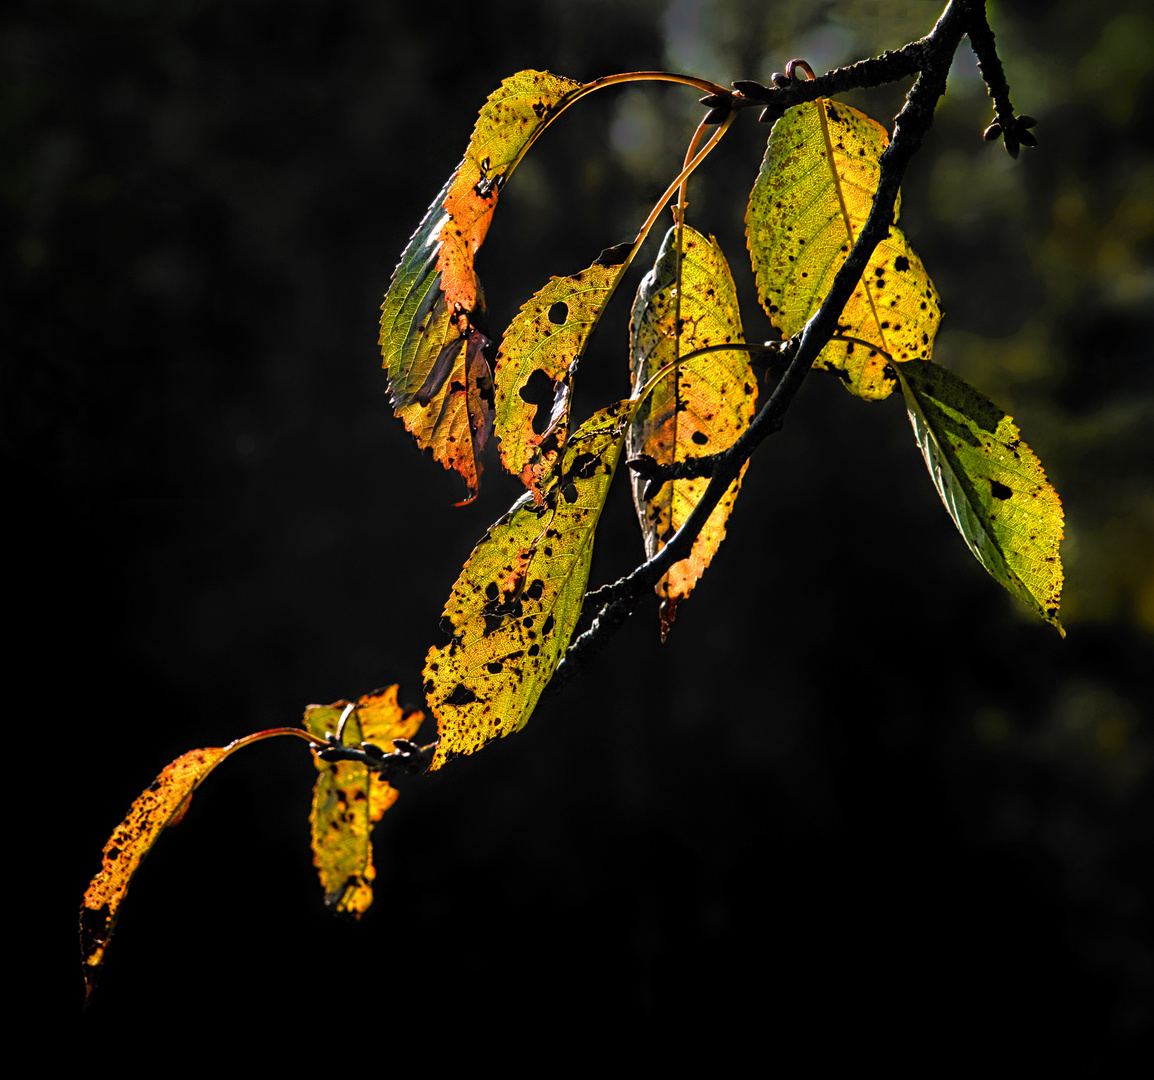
x: 548, y: 335
x: 515, y: 606
x: 991, y: 483
x: 700, y: 408
x: 348, y: 800
x: 810, y: 201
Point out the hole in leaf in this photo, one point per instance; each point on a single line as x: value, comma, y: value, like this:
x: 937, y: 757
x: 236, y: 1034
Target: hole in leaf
x: 558, y: 313
x: 999, y: 490
x: 539, y: 391
x: 461, y: 695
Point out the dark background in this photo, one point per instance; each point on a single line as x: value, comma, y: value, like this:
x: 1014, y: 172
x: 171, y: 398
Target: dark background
x: 860, y: 800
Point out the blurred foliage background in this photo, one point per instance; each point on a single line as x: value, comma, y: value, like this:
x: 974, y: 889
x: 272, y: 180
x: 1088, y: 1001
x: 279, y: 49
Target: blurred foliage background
x: 858, y: 796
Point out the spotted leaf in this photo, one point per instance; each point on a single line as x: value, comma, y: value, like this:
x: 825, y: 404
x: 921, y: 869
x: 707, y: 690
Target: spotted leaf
x: 515, y: 606
x: 807, y: 207
x: 699, y: 408
x: 543, y: 346
x: 348, y: 800
x: 991, y: 483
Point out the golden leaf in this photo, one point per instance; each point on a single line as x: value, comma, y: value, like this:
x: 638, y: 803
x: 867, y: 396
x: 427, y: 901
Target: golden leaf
x: 700, y: 408
x: 807, y: 207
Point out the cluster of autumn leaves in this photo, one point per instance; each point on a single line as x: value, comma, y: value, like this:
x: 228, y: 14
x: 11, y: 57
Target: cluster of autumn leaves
x: 517, y: 602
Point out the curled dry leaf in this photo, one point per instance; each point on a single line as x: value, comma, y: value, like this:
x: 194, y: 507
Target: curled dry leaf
x: 433, y: 336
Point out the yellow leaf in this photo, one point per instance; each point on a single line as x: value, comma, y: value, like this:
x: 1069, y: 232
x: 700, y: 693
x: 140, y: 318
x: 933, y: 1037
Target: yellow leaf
x: 807, y: 207
x: 515, y: 606
x: 548, y: 335
x: 348, y: 799
x: 699, y: 408
x: 991, y: 483
x: 433, y: 336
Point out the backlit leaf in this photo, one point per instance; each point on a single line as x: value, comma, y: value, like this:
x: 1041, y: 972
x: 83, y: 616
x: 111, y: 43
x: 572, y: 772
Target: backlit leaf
x: 991, y: 483
x: 807, y: 207
x: 699, y: 408
x: 548, y: 336
x: 161, y: 804
x: 348, y: 799
x: 515, y: 606
x: 433, y: 337
x: 515, y: 114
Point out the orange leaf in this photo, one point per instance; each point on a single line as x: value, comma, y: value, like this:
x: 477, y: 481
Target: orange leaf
x: 433, y: 336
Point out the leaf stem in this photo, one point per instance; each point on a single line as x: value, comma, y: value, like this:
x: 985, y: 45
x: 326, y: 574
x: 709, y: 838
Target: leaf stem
x: 649, y: 76
x: 270, y: 733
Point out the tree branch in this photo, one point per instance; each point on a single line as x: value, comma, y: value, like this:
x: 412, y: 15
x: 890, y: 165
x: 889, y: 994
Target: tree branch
x: 936, y: 52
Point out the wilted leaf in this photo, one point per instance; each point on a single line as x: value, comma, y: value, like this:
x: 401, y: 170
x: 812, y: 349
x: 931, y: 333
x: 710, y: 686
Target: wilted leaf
x: 699, y: 408
x: 991, y: 483
x: 348, y: 800
x: 515, y: 606
x: 547, y: 336
x: 810, y: 201
x: 161, y: 804
x: 433, y: 334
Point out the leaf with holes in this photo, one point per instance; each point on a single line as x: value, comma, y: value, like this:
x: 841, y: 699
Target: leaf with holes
x: 433, y: 336
x: 348, y: 799
x: 699, y: 408
x: 538, y: 358
x: 807, y: 207
x: 515, y: 606
x: 991, y: 483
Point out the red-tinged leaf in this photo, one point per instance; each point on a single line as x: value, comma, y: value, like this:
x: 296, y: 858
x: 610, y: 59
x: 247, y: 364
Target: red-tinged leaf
x: 433, y: 333
x: 515, y: 114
